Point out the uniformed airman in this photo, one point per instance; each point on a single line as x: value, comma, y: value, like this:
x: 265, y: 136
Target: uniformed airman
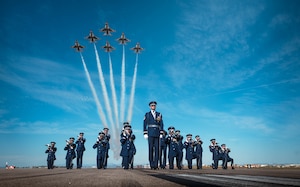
x: 70, y: 148
x: 107, y: 138
x: 80, y: 148
x: 153, y: 127
x: 180, y: 145
x: 189, y: 147
x: 215, y: 148
x: 51, y: 154
x: 101, y: 145
x: 163, y: 150
x: 127, y: 146
x: 173, y: 147
x: 198, y: 151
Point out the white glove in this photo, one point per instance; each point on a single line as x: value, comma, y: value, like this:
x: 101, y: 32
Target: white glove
x: 146, y: 136
x: 161, y: 136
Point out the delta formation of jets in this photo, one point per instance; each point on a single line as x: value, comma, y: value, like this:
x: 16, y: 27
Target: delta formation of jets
x: 108, y: 48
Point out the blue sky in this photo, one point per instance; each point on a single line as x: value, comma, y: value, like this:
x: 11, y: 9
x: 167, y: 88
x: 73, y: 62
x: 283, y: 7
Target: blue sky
x: 228, y: 70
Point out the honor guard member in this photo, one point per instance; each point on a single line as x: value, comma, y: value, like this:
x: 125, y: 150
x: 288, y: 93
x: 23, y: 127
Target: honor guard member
x: 101, y: 145
x: 172, y: 142
x: 198, y: 151
x: 180, y: 144
x: 107, y: 138
x: 214, y: 148
x: 70, y: 148
x: 225, y: 157
x: 80, y: 148
x: 126, y: 145
x: 189, y: 150
x: 153, y: 127
x: 163, y: 151
x: 51, y: 154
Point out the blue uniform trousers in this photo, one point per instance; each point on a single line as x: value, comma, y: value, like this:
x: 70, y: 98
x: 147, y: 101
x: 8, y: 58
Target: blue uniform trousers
x: 153, y: 144
x: 79, y: 158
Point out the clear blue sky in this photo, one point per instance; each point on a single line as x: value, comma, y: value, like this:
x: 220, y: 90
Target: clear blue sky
x: 228, y: 70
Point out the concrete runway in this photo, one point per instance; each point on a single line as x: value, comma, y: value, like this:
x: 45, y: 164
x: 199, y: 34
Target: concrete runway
x: 146, y: 177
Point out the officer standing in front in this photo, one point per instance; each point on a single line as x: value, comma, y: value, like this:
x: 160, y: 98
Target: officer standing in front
x: 80, y: 148
x: 51, y: 155
x: 153, y: 127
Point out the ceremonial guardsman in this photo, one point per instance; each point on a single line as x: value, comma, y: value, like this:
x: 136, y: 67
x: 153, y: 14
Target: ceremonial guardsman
x: 70, y: 148
x: 51, y: 155
x: 101, y: 145
x: 214, y: 148
x: 172, y: 142
x: 127, y: 146
x: 107, y: 138
x: 80, y: 148
x: 180, y: 144
x: 225, y: 157
x: 153, y: 127
x: 163, y: 150
x: 198, y: 151
x: 189, y: 150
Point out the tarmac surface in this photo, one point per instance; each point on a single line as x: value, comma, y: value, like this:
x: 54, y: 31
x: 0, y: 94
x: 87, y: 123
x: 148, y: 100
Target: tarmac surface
x: 145, y: 177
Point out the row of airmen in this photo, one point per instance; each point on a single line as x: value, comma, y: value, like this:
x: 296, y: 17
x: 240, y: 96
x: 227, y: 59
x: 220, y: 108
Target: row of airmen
x: 171, y: 142
x: 102, y: 145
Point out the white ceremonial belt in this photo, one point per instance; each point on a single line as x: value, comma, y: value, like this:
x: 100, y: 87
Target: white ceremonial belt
x: 153, y: 126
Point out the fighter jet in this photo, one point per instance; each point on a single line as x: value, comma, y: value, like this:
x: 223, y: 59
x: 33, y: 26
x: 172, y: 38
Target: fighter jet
x: 137, y: 48
x: 92, y: 37
x: 122, y: 40
x: 108, y: 48
x: 107, y: 30
x: 77, y: 46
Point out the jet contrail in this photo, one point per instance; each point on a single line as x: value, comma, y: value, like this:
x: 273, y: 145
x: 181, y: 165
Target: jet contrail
x: 113, y: 92
x: 100, y: 111
x: 129, y: 115
x: 122, y: 101
x: 104, y: 90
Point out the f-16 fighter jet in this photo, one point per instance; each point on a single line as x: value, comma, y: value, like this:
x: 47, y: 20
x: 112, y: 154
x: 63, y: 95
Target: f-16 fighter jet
x: 107, y: 30
x: 122, y: 40
x: 92, y: 37
x: 77, y: 46
x: 137, y: 48
x: 108, y: 48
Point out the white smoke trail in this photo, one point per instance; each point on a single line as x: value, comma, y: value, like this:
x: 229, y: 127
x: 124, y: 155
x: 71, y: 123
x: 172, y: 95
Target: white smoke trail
x: 129, y: 115
x: 113, y: 90
x: 100, y: 111
x: 122, y: 101
x: 115, y: 106
x: 104, y: 90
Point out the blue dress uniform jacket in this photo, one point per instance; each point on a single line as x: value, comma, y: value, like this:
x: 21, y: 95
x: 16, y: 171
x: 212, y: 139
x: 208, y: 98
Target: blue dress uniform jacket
x: 189, y: 153
x: 127, y: 146
x: 70, y: 155
x: 101, y: 152
x: 51, y: 157
x: 80, y: 149
x: 153, y: 127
